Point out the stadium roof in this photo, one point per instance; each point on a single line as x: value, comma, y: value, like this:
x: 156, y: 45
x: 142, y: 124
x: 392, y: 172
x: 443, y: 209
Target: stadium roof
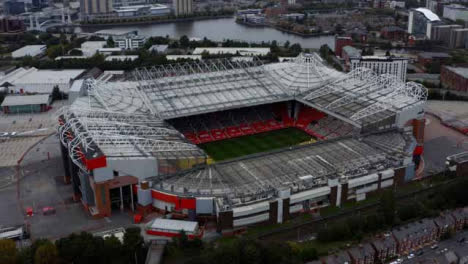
x: 126, y: 119
x: 358, y: 97
x: 302, y: 167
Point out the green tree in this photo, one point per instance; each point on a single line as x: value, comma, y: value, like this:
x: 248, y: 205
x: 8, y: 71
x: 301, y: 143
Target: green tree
x: 46, y: 254
x: 76, y: 52
x: 133, y: 243
x: 286, y: 44
x: 54, y: 51
x: 110, y: 42
x: 7, y: 251
x: 387, y: 207
x: 184, y: 41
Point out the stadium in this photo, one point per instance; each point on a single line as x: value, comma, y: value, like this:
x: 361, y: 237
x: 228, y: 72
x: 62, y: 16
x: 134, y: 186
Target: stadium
x: 240, y: 142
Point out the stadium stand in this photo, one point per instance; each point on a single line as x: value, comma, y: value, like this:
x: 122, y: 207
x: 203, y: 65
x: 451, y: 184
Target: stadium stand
x: 258, y: 119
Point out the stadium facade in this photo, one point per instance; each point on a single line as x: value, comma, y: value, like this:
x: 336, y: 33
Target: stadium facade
x: 127, y: 144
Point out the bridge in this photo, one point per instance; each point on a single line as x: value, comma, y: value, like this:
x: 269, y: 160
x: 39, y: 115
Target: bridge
x: 35, y: 24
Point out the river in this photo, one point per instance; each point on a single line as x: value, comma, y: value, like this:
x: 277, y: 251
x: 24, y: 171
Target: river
x: 218, y: 30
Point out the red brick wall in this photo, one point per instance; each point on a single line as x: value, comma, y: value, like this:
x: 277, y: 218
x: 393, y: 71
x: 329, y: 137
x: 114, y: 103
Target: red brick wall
x: 453, y: 81
x: 340, y: 43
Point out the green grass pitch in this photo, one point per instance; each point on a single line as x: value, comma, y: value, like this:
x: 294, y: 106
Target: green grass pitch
x: 241, y: 146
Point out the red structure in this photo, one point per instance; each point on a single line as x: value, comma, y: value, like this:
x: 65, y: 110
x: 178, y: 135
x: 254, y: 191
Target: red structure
x: 340, y: 42
x: 454, y: 78
x: 11, y: 25
x: 393, y: 33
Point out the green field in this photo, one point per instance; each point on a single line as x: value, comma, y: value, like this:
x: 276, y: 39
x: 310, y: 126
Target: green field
x: 241, y: 146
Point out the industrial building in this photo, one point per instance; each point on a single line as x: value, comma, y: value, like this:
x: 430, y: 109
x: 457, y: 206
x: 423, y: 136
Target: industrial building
x: 182, y: 7
x: 15, y: 104
x: 134, y: 143
x: 382, y: 65
x: 29, y: 50
x: 89, y: 9
x: 456, y: 12
x: 32, y: 80
x: 458, y: 38
x: 142, y: 10
x: 443, y: 33
x: 421, y: 20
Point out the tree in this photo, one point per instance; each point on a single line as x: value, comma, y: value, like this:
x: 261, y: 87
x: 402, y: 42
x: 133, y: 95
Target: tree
x: 46, y: 254
x: 54, y: 51
x: 76, y: 52
x: 7, y: 251
x: 184, y: 41
x: 296, y: 48
x: 286, y: 44
x: 387, y: 207
x: 56, y: 94
x: 110, y: 42
x: 133, y: 243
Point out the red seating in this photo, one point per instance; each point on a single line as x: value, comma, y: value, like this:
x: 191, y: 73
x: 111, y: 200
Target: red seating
x: 242, y: 122
x: 273, y: 124
x: 259, y: 126
x: 204, y: 136
x: 246, y: 129
x: 307, y: 115
x: 218, y: 134
x: 233, y: 131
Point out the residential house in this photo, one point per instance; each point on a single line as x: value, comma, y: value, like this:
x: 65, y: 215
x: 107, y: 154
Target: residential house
x: 461, y: 218
x: 445, y: 223
x: 415, y: 235
x: 362, y: 254
x: 385, y: 248
x: 340, y: 258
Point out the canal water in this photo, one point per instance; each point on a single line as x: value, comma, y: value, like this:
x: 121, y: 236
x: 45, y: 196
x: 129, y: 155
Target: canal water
x: 218, y: 29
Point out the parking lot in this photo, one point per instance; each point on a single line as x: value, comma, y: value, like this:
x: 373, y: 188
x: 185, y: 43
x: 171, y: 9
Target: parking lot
x: 41, y: 185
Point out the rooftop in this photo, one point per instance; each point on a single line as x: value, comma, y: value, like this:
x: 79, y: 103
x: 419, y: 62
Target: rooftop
x: 174, y: 225
x: 241, y: 51
x: 121, y: 57
x: 459, y: 70
x: 429, y: 55
x: 428, y: 14
x: 29, y: 49
x: 16, y: 100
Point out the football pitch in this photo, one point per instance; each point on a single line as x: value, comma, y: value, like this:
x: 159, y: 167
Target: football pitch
x: 241, y: 146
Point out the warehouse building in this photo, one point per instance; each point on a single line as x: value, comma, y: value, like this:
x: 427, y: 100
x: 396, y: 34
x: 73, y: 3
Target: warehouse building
x: 29, y: 50
x: 16, y: 104
x: 32, y: 80
x: 121, y: 148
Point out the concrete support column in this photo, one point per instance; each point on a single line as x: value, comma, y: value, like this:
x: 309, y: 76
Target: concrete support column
x: 121, y: 199
x: 131, y: 197
x: 273, y: 218
x: 38, y: 26
x: 225, y: 221
x: 65, y: 162
x: 344, y: 192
